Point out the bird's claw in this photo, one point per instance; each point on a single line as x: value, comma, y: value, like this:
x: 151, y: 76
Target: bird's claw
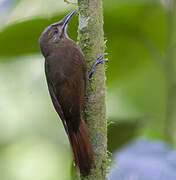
x: 99, y: 60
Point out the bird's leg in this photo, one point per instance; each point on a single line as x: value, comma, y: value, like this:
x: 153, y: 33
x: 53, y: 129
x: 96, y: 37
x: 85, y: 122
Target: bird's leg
x: 98, y: 60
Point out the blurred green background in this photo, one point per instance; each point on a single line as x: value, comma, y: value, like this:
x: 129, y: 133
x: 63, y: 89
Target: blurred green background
x: 141, y: 98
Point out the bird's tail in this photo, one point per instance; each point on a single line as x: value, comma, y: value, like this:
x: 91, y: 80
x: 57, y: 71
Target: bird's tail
x: 81, y: 148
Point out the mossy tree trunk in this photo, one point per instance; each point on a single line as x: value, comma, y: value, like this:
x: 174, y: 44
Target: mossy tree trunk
x: 91, y: 41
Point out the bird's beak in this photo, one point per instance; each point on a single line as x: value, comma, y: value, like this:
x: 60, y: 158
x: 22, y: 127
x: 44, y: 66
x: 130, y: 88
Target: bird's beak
x: 65, y: 20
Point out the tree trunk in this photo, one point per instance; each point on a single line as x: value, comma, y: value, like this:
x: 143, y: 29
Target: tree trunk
x: 91, y: 41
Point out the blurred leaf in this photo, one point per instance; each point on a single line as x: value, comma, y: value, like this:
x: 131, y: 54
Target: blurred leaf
x: 122, y: 131
x: 22, y: 37
x: 134, y: 37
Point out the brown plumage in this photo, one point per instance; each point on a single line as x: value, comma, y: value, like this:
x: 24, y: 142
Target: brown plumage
x: 67, y: 76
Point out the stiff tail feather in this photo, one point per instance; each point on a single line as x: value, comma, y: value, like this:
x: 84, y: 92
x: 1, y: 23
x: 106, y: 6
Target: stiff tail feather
x: 81, y: 148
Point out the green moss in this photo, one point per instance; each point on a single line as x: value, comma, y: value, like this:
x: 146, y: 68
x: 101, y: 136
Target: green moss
x: 109, y: 162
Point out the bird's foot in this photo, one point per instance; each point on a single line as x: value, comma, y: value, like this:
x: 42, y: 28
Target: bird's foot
x: 99, y: 60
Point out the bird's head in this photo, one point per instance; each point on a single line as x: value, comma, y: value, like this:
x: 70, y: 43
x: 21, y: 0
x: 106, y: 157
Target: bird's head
x: 54, y: 34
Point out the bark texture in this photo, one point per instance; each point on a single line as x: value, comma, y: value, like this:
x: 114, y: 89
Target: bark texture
x: 91, y: 41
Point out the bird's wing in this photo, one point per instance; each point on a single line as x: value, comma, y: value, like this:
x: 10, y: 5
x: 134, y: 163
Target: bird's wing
x: 68, y: 100
x: 81, y: 61
x: 55, y: 102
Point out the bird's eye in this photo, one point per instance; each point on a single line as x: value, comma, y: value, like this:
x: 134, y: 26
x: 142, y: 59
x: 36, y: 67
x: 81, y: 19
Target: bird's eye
x: 55, y: 31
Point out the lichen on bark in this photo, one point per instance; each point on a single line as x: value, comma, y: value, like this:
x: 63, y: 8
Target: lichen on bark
x: 91, y: 41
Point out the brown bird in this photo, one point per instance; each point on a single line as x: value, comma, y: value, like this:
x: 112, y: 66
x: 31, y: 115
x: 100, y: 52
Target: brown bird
x: 67, y: 77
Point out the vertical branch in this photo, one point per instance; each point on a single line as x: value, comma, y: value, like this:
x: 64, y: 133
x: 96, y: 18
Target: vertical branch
x: 91, y: 41
x: 170, y: 125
